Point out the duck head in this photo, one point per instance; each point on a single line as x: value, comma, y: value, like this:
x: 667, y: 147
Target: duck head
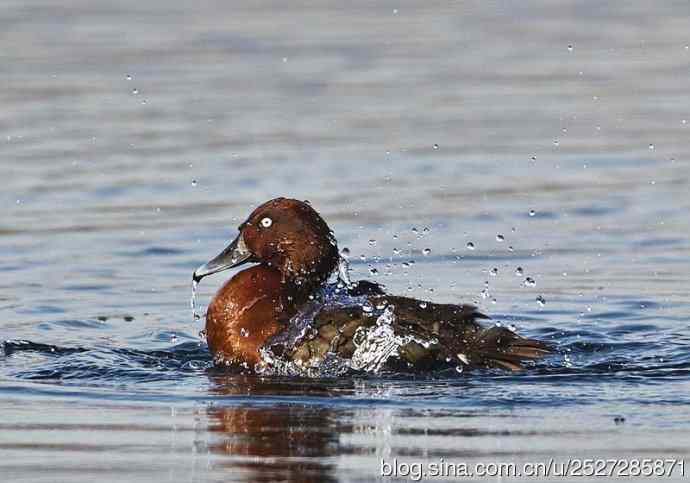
x: 287, y: 235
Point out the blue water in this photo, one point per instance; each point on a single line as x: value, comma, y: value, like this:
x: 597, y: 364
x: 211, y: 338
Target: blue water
x: 136, y: 137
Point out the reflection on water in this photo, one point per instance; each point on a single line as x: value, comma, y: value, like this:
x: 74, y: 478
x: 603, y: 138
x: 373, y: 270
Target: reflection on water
x: 256, y: 429
x: 279, y: 442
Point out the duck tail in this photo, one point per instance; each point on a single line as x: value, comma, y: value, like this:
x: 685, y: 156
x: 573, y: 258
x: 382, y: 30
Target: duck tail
x: 499, y: 347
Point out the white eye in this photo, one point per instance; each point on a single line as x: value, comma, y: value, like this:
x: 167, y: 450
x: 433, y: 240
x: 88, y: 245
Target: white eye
x: 266, y: 222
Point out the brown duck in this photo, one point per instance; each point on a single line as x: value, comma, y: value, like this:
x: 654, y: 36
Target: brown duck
x: 296, y: 253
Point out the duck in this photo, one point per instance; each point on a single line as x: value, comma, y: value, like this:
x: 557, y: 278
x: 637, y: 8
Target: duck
x: 294, y: 253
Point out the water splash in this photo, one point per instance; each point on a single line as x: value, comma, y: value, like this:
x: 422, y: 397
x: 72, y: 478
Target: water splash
x: 374, y: 344
x: 344, y: 271
x: 330, y: 296
x: 192, y: 302
x: 274, y: 362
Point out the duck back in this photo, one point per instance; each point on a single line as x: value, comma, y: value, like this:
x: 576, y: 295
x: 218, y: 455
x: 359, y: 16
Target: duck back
x: 413, y: 335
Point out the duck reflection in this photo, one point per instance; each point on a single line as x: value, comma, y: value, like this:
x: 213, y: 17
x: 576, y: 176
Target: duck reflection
x: 280, y: 442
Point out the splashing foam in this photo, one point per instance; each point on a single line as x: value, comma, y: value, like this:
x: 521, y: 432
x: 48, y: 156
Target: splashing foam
x: 331, y: 296
x: 374, y: 345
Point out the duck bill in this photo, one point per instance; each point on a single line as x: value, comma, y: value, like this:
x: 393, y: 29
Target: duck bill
x: 234, y: 254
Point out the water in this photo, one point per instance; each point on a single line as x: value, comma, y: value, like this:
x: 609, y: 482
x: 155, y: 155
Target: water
x: 192, y: 301
x: 386, y: 117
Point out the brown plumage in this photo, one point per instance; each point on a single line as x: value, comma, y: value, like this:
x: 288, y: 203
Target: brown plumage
x: 297, y: 253
x: 452, y: 335
x: 247, y: 310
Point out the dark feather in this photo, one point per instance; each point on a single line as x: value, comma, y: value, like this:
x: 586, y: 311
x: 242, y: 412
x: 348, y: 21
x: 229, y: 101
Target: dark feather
x: 456, y: 336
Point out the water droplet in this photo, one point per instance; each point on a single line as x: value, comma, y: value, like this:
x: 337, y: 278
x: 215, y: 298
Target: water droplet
x: 382, y: 304
x: 519, y: 272
x: 426, y: 251
x: 570, y: 48
x: 192, y: 302
x: 500, y: 238
x: 372, y: 243
x: 194, y: 182
x: 485, y: 294
x: 435, y: 146
x: 493, y: 272
x: 651, y: 147
x: 529, y: 282
x: 532, y: 212
x: 459, y: 369
x: 373, y: 271
x: 135, y: 91
x: 285, y: 59
x: 470, y: 246
x: 533, y: 158
x: 422, y: 305
x: 556, y: 142
x: 173, y: 338
x: 396, y: 251
x: 128, y: 77
x: 540, y: 301
x: 363, y: 258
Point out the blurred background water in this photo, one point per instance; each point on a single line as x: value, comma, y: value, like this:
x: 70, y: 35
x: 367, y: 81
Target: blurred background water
x: 137, y: 135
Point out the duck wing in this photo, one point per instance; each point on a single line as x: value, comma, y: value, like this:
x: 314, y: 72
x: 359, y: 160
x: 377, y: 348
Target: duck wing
x: 402, y: 333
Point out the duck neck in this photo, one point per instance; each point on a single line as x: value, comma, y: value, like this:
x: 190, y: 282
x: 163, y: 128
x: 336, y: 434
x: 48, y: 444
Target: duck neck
x: 299, y: 290
x: 300, y: 284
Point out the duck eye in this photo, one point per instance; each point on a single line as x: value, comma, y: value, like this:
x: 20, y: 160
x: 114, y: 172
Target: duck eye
x: 266, y: 222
